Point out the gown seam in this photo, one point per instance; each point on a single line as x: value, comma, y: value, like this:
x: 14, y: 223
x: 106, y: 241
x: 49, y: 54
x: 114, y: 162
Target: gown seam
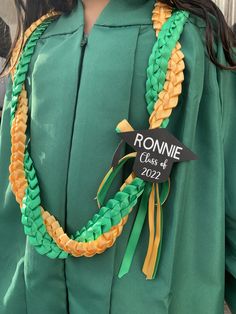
x: 61, y: 34
x: 94, y: 25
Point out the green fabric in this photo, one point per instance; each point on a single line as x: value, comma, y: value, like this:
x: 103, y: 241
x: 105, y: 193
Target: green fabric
x: 119, y: 206
x: 137, y: 228
x: 161, y: 53
x: 136, y: 231
x: 101, y: 195
x: 191, y: 272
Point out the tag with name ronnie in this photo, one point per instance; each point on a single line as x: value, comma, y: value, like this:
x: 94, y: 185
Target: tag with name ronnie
x: 157, y: 150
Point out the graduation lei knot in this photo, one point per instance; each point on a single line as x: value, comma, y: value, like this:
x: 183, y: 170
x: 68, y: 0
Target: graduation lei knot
x: 157, y: 150
x: 163, y: 87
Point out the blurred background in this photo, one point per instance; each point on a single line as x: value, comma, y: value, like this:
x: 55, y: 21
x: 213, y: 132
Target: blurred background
x: 8, y: 29
x: 229, y: 9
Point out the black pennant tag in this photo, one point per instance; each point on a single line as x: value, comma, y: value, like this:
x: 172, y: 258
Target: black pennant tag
x: 157, y: 150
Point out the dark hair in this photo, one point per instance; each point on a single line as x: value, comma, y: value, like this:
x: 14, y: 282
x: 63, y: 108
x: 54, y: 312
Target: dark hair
x: 216, y: 28
x: 28, y: 11
x: 5, y: 39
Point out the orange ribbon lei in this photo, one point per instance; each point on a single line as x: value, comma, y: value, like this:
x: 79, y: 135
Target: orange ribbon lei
x: 166, y: 101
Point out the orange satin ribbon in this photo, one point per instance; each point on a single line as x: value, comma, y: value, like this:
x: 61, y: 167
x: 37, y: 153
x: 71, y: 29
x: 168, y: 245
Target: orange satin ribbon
x: 154, y: 242
x: 154, y: 232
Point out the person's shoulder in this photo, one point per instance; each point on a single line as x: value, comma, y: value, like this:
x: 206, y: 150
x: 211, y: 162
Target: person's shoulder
x: 195, y: 28
x: 192, y: 39
x: 195, y: 32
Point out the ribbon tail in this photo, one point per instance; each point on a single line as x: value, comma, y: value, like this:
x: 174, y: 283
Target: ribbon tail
x: 116, y: 156
x: 109, y: 178
x: 123, y: 126
x: 151, y: 259
x: 136, y: 231
x: 151, y: 230
x: 163, y: 197
x: 160, y: 246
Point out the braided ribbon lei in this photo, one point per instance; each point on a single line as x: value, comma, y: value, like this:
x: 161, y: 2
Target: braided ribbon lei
x: 163, y: 87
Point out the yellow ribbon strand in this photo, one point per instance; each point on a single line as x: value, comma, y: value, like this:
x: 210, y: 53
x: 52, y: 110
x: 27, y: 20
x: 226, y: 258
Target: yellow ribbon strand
x: 151, y: 256
x: 167, y: 100
x: 156, y: 244
x: 151, y: 205
x: 127, y: 181
x: 124, y: 126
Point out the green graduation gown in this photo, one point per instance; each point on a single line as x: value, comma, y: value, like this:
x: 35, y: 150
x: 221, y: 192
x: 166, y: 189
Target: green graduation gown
x: 73, y: 114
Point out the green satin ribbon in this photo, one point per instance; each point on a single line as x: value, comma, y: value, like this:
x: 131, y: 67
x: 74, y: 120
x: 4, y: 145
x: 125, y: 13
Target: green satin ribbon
x: 138, y: 225
x: 160, y: 246
x: 101, y: 195
x: 123, y: 200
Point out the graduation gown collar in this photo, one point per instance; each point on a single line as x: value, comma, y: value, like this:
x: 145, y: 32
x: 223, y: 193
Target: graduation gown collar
x: 116, y: 13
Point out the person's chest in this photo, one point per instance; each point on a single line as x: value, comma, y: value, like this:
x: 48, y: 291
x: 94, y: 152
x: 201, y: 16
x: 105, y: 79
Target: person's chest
x: 78, y: 95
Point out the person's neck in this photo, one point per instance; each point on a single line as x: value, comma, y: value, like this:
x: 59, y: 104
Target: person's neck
x: 95, y: 4
x: 92, y: 10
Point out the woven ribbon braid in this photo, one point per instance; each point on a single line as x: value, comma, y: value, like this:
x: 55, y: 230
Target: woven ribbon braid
x: 31, y: 214
x: 21, y: 42
x: 31, y: 201
x: 168, y: 97
x: 158, y: 61
x: 34, y: 218
x: 18, y: 140
x: 165, y: 75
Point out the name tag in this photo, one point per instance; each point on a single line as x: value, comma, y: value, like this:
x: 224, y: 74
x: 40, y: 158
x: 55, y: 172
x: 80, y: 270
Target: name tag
x: 157, y: 150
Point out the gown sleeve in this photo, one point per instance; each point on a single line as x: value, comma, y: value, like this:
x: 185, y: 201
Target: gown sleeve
x: 227, y: 84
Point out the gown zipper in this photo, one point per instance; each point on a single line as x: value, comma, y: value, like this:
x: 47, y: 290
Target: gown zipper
x: 83, y: 45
